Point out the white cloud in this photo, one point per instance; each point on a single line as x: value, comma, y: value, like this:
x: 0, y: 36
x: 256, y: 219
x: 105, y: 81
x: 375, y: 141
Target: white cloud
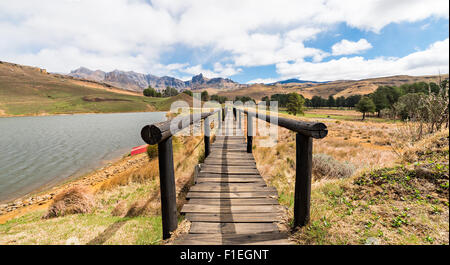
x: 430, y: 61
x: 373, y: 15
x: 219, y: 70
x: 262, y: 81
x: 134, y: 35
x: 345, y: 47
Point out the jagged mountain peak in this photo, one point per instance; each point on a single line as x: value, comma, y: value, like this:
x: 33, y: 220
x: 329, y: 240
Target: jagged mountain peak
x: 131, y: 80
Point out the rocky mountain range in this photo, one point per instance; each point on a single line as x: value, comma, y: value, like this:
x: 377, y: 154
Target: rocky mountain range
x: 137, y: 82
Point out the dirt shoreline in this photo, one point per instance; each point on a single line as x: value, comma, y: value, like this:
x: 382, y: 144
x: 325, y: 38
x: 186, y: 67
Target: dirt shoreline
x: 93, y: 180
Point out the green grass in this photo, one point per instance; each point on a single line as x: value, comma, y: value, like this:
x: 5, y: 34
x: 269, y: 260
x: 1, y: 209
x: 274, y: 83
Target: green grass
x: 98, y: 227
x: 339, y: 117
x: 394, y: 205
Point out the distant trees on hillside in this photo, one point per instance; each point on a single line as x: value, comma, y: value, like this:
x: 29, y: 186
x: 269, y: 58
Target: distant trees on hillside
x: 205, y: 96
x: 424, y: 104
x: 151, y: 92
x: 387, y: 99
x: 188, y: 92
x: 243, y: 99
x: 315, y: 101
x: 365, y: 105
x: 220, y: 99
x: 331, y: 102
x: 170, y: 92
x: 295, y: 104
x: 318, y: 101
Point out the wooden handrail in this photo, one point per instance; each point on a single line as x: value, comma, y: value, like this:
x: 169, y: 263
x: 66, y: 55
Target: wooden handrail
x: 157, y: 132
x: 306, y: 131
x: 315, y: 130
x: 160, y: 133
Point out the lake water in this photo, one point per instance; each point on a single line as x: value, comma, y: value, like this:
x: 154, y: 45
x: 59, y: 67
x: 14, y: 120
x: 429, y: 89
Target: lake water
x: 37, y: 152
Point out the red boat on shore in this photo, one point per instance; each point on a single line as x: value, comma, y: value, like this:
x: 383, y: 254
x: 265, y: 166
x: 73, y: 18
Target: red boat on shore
x: 139, y: 149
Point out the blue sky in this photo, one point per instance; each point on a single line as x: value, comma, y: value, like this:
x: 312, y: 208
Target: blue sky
x: 247, y: 41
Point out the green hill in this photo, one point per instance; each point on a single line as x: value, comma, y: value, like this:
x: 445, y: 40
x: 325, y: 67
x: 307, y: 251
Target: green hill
x: 28, y: 90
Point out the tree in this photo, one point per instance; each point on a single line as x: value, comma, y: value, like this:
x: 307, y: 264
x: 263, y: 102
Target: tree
x: 205, y: 96
x: 351, y: 101
x: 170, y: 92
x: 365, y: 105
x: 282, y: 99
x: 295, y: 104
x: 331, y: 102
x: 215, y: 98
x: 379, y: 98
x: 409, y: 106
x: 340, y: 101
x: 243, y: 99
x: 188, y: 92
x: 308, y: 102
x: 150, y: 92
x: 220, y: 99
x: 316, y: 101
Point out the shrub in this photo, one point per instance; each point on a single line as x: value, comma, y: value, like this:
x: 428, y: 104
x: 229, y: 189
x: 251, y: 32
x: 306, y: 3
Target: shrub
x: 152, y: 151
x: 150, y: 92
x: 188, y: 92
x: 325, y: 166
x: 72, y: 201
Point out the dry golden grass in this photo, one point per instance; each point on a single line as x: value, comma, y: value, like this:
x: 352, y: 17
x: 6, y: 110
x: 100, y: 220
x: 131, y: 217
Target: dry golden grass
x: 342, y: 212
x: 186, y: 155
x: 363, y: 145
x: 134, y: 174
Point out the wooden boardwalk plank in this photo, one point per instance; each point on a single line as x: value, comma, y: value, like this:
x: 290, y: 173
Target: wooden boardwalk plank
x: 252, y: 201
x: 230, y: 163
x: 274, y: 238
x: 233, y: 218
x: 230, y: 180
x: 227, y: 176
x: 232, y: 171
x: 230, y: 185
x: 198, y: 208
x: 250, y: 167
x: 226, y: 188
x: 230, y: 202
x: 232, y: 228
x: 227, y: 195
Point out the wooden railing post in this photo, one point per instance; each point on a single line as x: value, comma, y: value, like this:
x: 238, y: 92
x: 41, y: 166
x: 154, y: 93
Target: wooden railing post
x: 302, y: 180
x: 249, y: 133
x: 167, y: 186
x: 219, y: 113
x: 239, y: 113
x: 206, y: 138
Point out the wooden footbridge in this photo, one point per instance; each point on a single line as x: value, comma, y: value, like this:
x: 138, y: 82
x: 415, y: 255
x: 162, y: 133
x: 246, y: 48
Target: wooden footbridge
x: 230, y: 202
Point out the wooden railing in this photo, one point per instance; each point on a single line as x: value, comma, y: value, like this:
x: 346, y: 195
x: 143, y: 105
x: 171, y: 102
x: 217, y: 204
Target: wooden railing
x: 306, y: 131
x: 161, y: 134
